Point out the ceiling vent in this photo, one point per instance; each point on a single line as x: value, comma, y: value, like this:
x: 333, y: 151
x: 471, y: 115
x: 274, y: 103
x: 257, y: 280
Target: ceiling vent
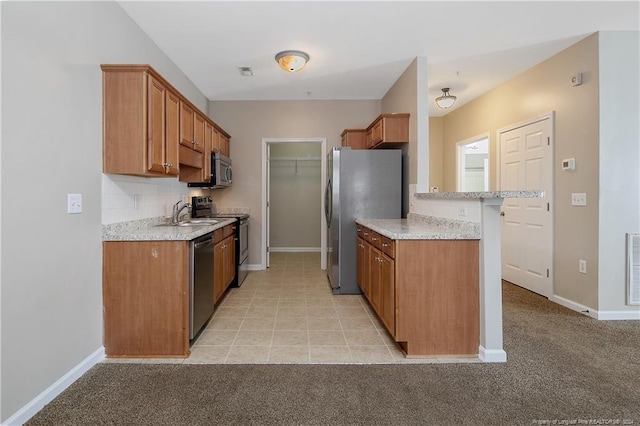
x: 246, y: 71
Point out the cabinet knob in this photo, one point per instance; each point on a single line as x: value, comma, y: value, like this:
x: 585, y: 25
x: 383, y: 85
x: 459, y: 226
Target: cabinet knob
x: 373, y: 238
x: 385, y: 245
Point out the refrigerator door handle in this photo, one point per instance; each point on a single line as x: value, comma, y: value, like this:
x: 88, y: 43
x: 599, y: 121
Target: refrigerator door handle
x: 328, y: 200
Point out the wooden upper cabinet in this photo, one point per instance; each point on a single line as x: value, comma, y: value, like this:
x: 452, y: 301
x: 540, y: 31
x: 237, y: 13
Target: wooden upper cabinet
x: 215, y: 138
x: 186, y: 125
x: 198, y: 132
x: 150, y: 129
x: 156, y: 135
x: 388, y: 130
x: 354, y: 138
x: 134, y: 119
x: 223, y: 143
x: 208, y: 144
x: 172, y: 132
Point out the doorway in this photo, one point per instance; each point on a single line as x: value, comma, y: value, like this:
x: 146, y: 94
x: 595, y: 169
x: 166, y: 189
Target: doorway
x: 294, y: 172
x: 472, y: 164
x: 526, y: 163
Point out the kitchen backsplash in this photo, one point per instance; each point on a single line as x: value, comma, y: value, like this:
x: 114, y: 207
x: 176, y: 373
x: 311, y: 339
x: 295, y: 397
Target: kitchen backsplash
x: 130, y: 198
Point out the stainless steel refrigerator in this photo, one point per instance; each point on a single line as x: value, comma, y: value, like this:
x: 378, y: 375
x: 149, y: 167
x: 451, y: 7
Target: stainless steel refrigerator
x: 360, y: 184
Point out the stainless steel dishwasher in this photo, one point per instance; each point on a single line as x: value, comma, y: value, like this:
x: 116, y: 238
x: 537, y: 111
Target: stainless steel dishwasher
x: 201, y: 283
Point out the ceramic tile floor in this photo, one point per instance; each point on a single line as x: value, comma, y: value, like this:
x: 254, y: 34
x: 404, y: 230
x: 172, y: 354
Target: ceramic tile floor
x: 287, y: 314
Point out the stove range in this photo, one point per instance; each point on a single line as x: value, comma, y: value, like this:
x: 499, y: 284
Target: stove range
x: 202, y: 206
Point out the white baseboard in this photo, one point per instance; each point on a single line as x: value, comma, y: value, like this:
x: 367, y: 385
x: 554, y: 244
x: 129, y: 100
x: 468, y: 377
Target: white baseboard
x: 252, y: 267
x: 618, y: 315
x: 585, y: 310
x: 595, y: 314
x: 294, y: 249
x: 492, y: 355
x: 37, y: 403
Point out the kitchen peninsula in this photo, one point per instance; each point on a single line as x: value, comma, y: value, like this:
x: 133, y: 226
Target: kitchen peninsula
x: 435, y: 280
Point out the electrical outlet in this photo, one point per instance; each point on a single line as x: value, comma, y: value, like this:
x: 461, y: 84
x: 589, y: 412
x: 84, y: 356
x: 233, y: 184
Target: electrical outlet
x: 74, y: 203
x: 582, y: 266
x: 578, y: 199
x: 462, y: 211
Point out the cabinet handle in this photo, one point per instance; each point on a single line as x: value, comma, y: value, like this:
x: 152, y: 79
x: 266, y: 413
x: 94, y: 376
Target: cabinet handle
x: 366, y: 233
x: 373, y: 238
x: 385, y: 245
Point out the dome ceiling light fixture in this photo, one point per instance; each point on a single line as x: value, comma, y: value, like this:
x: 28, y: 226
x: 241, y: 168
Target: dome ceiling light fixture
x: 292, y: 60
x: 446, y: 100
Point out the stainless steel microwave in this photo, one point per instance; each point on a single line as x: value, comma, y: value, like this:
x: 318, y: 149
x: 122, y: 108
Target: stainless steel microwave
x: 221, y: 173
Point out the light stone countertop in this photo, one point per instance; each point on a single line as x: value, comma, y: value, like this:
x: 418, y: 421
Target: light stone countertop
x: 480, y: 195
x: 418, y: 227
x: 147, y: 230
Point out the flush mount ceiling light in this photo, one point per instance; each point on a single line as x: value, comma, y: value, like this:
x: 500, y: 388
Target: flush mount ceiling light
x: 446, y: 100
x: 292, y: 60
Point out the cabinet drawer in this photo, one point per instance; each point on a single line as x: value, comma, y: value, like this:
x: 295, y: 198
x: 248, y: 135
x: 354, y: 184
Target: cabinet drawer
x: 366, y: 234
x: 375, y: 240
x: 228, y: 230
x: 360, y: 230
x: 388, y: 246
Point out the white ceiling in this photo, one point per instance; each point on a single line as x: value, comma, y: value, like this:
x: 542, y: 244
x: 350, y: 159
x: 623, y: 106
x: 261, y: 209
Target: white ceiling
x: 359, y: 49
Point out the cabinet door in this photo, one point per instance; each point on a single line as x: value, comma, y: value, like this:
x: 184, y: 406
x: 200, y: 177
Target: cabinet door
x: 155, y: 128
x: 206, y: 159
x: 231, y: 259
x: 361, y: 266
x: 186, y: 125
x: 172, y: 132
x: 224, y: 145
x: 374, y: 278
x: 218, y: 271
x: 387, y: 293
x: 198, y: 132
x: 377, y: 132
x: 215, y: 140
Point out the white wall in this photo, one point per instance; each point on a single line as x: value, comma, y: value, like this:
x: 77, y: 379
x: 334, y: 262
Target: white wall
x: 619, y: 150
x: 51, y: 308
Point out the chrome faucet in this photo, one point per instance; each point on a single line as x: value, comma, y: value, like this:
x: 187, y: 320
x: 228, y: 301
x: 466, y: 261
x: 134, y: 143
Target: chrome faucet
x: 175, y: 217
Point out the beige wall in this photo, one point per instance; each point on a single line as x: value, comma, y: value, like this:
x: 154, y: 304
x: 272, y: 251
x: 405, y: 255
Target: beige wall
x: 402, y: 97
x: 542, y: 89
x: 295, y: 191
x: 249, y: 121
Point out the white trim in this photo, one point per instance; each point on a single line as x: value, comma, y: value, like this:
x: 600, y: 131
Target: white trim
x: 36, y: 404
x: 595, y: 314
x: 618, y: 315
x: 323, y: 179
x: 295, y: 249
x: 570, y: 304
x: 252, y: 267
x: 492, y: 355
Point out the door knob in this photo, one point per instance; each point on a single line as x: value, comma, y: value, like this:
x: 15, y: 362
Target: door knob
x: 501, y: 213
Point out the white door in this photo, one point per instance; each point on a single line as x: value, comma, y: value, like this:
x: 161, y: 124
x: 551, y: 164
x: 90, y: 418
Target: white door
x: 526, y: 161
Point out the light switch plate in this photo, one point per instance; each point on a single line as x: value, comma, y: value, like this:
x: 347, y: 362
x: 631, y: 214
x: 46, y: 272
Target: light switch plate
x: 74, y: 203
x: 579, y: 199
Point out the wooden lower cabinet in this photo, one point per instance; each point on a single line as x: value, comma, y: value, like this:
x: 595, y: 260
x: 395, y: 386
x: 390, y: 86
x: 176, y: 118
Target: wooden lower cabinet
x: 425, y: 292
x: 146, y: 298
x: 224, y: 261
